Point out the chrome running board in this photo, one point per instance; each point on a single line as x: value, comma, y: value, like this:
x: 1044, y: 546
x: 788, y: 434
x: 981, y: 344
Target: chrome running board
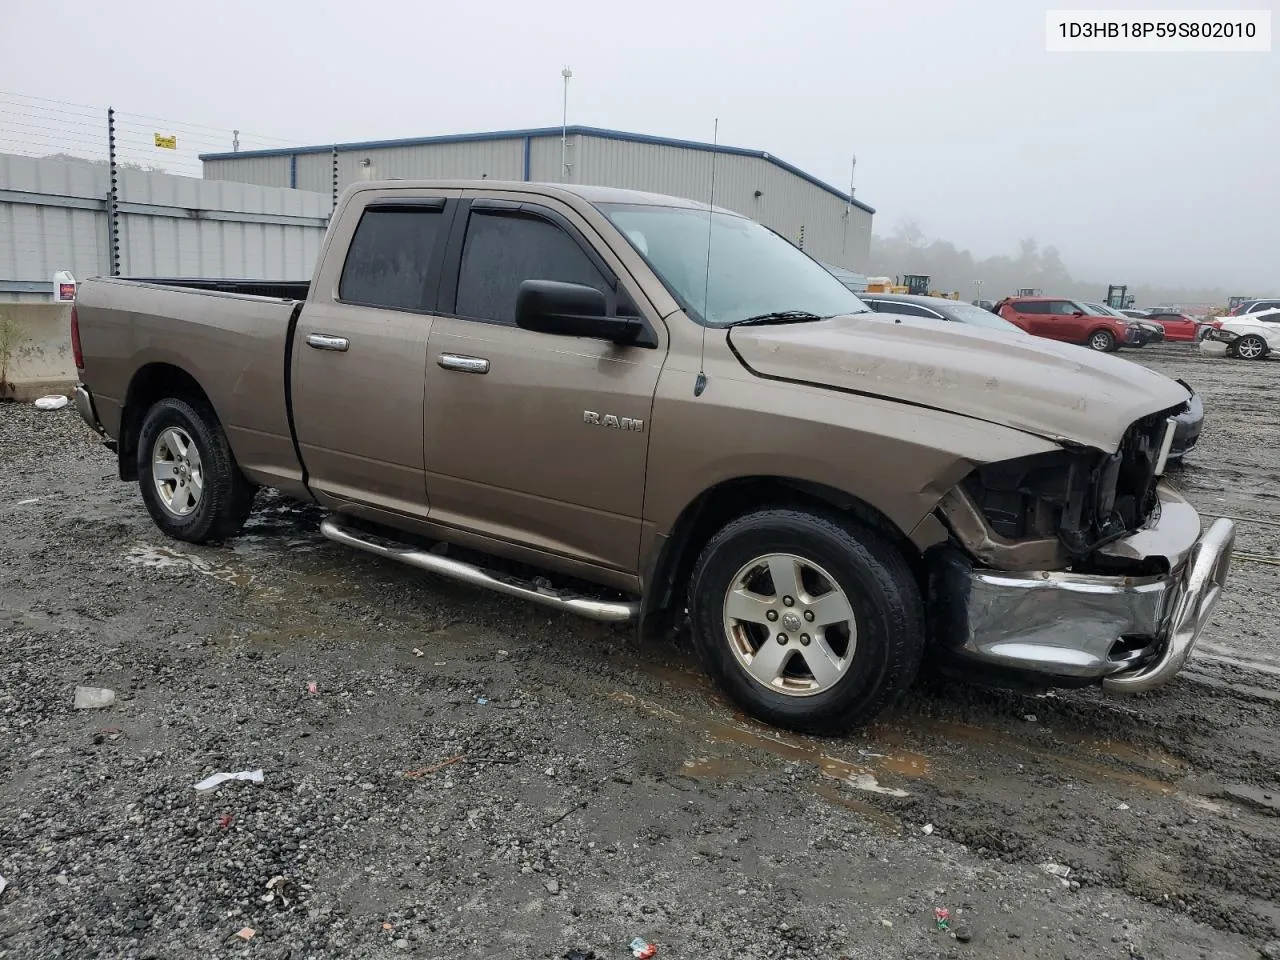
x: 608, y: 611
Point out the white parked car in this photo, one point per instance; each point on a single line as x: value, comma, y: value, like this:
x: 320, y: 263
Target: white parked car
x: 1250, y: 336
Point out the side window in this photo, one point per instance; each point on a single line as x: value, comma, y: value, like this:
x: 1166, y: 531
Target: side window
x: 1061, y: 308
x: 503, y: 250
x: 907, y: 310
x: 879, y: 306
x: 1037, y: 307
x: 390, y: 257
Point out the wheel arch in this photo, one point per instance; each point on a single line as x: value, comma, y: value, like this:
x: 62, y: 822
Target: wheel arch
x: 151, y: 382
x: 707, y: 513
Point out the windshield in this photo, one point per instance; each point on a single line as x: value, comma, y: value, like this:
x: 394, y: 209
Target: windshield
x: 753, y: 271
x: 976, y: 316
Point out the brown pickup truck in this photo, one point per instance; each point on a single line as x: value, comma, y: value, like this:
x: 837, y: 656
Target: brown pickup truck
x: 625, y: 405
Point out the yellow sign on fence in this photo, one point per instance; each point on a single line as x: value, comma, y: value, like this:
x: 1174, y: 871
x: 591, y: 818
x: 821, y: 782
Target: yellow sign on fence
x: 166, y: 143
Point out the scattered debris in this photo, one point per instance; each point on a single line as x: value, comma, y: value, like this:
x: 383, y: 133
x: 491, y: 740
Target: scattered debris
x: 3, y: 883
x: 418, y: 653
x: 432, y: 769
x: 1060, y: 871
x: 312, y: 688
x: 218, y: 779
x: 553, y: 887
x: 868, y: 753
x: 52, y: 402
x: 224, y: 821
x: 278, y: 886
x: 642, y: 949
x: 927, y: 829
x: 246, y: 933
x: 885, y: 922
x: 387, y: 927
x: 26, y: 503
x: 1123, y: 806
x: 94, y: 698
x: 503, y: 655
x: 962, y: 933
x: 481, y: 701
x: 1030, y: 718
x: 942, y: 918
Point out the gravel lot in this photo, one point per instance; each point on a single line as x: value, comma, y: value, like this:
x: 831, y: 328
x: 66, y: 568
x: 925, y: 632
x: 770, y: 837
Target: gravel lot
x: 473, y: 777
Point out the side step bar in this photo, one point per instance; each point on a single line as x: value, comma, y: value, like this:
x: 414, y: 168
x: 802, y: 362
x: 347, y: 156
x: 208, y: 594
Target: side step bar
x: 476, y: 576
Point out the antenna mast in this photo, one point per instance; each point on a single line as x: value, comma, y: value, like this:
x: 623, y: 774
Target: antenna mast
x: 700, y: 383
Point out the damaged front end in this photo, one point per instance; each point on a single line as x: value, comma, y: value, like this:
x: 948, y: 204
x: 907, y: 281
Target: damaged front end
x: 1077, y: 566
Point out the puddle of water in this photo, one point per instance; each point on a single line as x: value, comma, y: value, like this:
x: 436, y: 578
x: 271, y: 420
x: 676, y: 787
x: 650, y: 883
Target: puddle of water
x: 833, y: 794
x: 166, y: 558
x: 716, y: 768
x: 777, y: 744
x: 1084, y: 768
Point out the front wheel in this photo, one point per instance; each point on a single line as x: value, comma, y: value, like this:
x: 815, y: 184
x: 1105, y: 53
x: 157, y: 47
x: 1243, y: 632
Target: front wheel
x: 808, y: 622
x: 1251, y: 347
x: 189, y: 479
x: 1103, y: 341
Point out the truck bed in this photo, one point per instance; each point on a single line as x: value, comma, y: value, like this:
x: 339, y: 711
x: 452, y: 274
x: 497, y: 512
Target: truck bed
x: 281, y: 289
x: 235, y: 343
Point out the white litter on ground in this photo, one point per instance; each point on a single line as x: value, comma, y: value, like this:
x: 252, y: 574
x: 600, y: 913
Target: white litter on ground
x: 54, y: 402
x: 218, y: 779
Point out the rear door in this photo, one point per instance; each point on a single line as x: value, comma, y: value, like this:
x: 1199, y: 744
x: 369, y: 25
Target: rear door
x: 1030, y: 315
x: 533, y: 438
x: 360, y: 351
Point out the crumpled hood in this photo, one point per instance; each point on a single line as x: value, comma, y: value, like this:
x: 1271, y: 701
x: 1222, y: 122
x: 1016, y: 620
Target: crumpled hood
x: 1054, y: 390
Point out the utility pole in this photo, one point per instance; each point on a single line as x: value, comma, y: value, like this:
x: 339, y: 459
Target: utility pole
x: 978, y: 284
x: 564, y: 127
x: 235, y: 141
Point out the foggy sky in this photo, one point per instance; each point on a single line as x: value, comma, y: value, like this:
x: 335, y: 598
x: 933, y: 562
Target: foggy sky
x: 1138, y: 167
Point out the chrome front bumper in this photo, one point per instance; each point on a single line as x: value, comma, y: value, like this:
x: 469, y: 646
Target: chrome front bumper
x: 1131, y: 633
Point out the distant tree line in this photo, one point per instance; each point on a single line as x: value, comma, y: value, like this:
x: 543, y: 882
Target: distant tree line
x: 908, y: 250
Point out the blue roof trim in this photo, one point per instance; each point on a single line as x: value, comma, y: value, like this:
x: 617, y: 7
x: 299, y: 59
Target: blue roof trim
x: 601, y: 132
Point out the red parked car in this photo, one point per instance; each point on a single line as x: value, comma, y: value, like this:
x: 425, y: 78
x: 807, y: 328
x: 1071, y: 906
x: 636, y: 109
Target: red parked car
x: 1055, y: 318
x: 1178, y: 326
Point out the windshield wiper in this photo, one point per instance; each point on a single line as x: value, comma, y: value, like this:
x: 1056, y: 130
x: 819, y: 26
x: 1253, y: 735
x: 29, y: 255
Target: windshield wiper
x: 777, y: 316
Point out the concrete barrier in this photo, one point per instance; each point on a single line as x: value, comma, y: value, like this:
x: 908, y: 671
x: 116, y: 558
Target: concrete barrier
x: 35, y: 350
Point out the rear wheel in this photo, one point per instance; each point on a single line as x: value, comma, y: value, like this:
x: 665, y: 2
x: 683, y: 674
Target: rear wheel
x: 1102, y: 340
x: 189, y: 479
x: 807, y: 621
x: 1251, y: 347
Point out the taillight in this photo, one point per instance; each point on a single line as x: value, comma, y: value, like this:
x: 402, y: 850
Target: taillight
x: 76, y: 353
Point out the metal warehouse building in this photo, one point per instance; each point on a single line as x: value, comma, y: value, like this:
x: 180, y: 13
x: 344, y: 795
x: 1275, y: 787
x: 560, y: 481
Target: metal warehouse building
x: 829, y: 224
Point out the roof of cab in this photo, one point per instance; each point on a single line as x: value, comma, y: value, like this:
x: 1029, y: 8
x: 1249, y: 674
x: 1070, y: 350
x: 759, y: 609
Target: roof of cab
x: 591, y: 194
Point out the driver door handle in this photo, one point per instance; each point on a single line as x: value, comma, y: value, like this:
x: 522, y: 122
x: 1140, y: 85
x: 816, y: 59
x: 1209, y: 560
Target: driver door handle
x: 454, y: 361
x: 322, y: 341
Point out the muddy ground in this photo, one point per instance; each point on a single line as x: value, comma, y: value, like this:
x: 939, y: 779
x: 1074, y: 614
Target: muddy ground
x: 473, y: 777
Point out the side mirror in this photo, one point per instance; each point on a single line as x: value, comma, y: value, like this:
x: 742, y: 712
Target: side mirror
x: 1077, y: 313
x: 571, y: 310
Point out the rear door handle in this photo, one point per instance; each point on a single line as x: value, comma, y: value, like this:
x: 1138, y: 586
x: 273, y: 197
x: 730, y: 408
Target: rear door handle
x: 322, y: 341
x: 453, y: 361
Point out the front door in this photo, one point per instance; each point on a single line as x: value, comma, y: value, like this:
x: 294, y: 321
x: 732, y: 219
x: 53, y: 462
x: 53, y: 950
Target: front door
x: 533, y: 438
x: 1065, y: 322
x: 360, y: 351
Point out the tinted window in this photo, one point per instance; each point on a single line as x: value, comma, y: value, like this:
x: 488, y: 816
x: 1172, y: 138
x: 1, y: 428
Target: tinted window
x: 389, y: 258
x: 1264, y: 305
x: 1063, y: 308
x: 1031, y: 306
x: 879, y: 306
x: 502, y: 251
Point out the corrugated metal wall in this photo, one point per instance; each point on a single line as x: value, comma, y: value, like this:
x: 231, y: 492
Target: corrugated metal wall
x: 832, y: 231
x: 53, y: 217
x: 786, y: 203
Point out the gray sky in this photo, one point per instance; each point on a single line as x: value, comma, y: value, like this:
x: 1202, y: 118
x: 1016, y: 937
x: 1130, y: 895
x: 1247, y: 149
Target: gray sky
x: 1139, y: 167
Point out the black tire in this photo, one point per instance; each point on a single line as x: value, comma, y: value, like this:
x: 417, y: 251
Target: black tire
x: 226, y: 497
x: 1103, y: 341
x: 881, y: 591
x: 1253, y: 345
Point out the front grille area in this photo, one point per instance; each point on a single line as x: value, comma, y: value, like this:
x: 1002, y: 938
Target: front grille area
x: 1084, y: 497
